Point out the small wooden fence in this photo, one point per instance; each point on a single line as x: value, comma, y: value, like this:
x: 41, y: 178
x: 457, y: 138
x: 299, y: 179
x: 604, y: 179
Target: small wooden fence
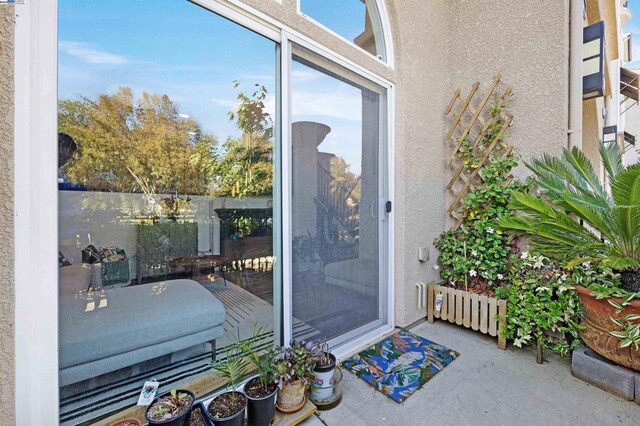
x: 482, y: 313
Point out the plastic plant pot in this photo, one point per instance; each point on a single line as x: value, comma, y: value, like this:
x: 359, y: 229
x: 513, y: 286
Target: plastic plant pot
x: 260, y: 411
x: 321, y: 388
x: 329, y: 395
x: 236, y: 419
x: 182, y: 420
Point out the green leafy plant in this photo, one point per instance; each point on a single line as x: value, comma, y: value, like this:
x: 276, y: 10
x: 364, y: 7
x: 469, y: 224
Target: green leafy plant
x: 295, y: 362
x: 171, y: 405
x: 233, y: 369
x: 262, y: 360
x: 541, y: 299
x: 477, y: 253
x: 574, y: 218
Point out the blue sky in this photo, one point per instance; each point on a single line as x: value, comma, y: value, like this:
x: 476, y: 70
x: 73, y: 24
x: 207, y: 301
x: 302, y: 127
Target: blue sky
x: 349, y: 22
x: 193, y: 56
x: 633, y: 27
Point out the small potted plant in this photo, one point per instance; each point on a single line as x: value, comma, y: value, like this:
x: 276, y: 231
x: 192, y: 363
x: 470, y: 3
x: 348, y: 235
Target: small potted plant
x: 293, y: 368
x: 173, y: 408
x: 322, y: 385
x: 261, y: 390
x: 228, y: 409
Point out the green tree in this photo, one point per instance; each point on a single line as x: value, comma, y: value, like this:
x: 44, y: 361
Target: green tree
x: 244, y: 165
x: 136, y: 145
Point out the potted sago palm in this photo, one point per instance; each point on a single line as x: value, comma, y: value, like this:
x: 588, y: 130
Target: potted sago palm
x: 580, y: 220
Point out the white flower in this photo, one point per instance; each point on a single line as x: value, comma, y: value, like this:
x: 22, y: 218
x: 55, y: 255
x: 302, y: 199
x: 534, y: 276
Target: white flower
x: 478, y: 263
x: 500, y: 276
x: 474, y: 252
x: 538, y: 262
x: 587, y: 265
x: 541, y: 289
x: 490, y: 230
x: 436, y: 267
x: 473, y: 273
x: 524, y: 255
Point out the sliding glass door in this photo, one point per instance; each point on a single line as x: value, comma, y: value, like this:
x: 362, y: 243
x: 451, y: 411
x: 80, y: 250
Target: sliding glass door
x: 338, y: 221
x: 168, y: 197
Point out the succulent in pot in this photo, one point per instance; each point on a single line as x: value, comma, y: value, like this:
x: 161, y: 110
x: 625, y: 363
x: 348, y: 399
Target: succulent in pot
x: 171, y: 409
x: 321, y: 387
x: 260, y: 390
x: 228, y: 408
x: 293, y: 367
x: 577, y: 219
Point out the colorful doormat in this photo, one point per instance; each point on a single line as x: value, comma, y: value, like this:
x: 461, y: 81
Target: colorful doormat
x: 399, y: 365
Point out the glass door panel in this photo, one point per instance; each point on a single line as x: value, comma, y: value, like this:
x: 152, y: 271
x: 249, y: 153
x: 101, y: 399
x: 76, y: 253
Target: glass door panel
x: 337, y: 285
x: 168, y: 216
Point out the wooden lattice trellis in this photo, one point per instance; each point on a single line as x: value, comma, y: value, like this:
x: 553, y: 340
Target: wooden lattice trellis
x: 471, y: 118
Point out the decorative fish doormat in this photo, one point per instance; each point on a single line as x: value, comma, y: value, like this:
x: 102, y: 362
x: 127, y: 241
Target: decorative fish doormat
x: 400, y: 364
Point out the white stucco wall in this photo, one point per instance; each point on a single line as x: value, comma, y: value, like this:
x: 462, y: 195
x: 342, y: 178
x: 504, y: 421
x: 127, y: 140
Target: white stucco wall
x: 7, y: 365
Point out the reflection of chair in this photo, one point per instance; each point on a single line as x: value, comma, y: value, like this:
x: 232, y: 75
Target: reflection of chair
x: 125, y: 326
x: 359, y: 275
x: 161, y: 242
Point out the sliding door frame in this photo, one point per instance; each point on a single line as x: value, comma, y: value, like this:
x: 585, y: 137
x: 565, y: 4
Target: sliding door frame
x: 35, y: 189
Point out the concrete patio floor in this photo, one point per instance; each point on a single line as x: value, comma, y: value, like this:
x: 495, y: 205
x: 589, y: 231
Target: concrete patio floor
x: 484, y: 386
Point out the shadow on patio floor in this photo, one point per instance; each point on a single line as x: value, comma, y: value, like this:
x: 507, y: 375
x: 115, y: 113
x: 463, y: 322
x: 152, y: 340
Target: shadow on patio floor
x: 484, y: 386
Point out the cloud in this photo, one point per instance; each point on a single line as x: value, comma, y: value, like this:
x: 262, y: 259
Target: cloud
x: 305, y: 76
x: 89, y: 54
x: 329, y: 104
x: 221, y: 102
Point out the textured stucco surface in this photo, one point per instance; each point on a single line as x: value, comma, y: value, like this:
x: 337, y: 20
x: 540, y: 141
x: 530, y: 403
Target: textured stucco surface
x: 529, y: 45
x: 6, y: 216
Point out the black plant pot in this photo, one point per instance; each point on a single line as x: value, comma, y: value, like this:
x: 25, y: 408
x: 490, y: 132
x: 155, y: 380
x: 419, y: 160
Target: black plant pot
x: 260, y: 411
x: 234, y: 420
x: 203, y: 411
x: 630, y: 280
x: 183, y: 420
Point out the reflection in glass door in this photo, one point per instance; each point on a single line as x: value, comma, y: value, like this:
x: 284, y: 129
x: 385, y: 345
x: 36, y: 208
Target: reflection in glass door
x: 336, y: 187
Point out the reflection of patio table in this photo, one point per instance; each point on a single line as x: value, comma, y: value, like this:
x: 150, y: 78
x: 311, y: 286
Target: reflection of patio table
x: 196, y: 263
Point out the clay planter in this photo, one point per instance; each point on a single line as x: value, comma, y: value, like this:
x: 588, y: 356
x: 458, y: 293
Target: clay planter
x: 291, y: 397
x: 260, y: 411
x: 127, y: 422
x: 182, y: 419
x: 598, y: 324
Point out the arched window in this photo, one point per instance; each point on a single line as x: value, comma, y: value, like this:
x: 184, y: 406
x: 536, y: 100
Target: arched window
x: 359, y: 21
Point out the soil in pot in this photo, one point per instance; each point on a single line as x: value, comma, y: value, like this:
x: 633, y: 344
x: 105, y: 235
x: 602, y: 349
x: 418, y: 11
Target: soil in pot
x: 261, y: 407
x: 630, y: 280
x: 198, y: 417
x: 170, y: 410
x: 228, y: 409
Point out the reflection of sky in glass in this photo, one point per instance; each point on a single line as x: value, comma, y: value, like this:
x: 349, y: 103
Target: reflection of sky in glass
x: 322, y: 98
x: 345, y: 17
x: 176, y: 48
x: 170, y: 47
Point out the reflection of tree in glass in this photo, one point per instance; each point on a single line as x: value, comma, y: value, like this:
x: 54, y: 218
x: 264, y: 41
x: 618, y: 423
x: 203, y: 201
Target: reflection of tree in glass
x: 146, y: 145
x: 245, y: 166
x: 136, y: 145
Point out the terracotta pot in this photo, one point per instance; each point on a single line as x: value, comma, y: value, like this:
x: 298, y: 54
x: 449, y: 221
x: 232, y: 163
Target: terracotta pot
x: 127, y: 422
x: 598, y: 324
x: 291, y: 397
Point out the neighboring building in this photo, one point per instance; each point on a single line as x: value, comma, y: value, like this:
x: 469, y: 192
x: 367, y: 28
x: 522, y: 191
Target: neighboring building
x: 329, y: 249
x: 604, y: 116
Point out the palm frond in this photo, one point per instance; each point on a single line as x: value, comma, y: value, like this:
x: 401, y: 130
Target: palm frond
x: 611, y: 159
